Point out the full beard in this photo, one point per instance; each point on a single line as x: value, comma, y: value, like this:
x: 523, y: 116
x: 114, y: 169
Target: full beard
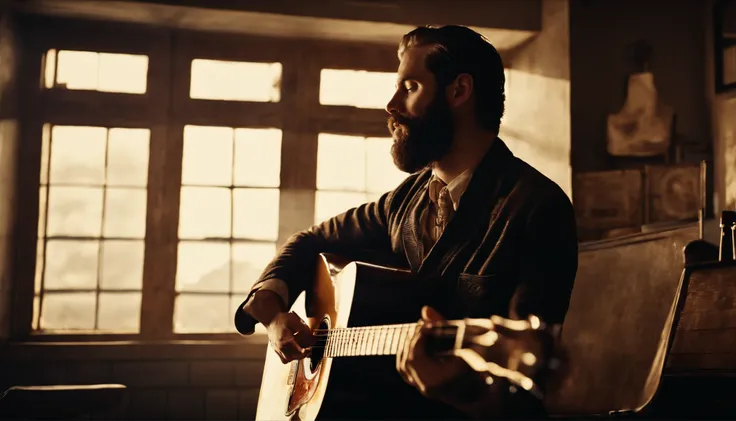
x: 421, y: 141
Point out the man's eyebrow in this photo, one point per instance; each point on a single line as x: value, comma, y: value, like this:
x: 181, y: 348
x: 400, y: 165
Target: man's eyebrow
x: 406, y: 79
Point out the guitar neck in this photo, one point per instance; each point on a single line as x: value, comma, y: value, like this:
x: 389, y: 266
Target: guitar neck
x: 368, y: 340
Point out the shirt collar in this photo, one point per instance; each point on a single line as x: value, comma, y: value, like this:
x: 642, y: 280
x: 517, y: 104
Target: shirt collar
x: 456, y: 187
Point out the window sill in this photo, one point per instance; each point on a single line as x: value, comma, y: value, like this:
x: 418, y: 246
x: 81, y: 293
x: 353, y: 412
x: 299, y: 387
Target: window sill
x: 240, y: 348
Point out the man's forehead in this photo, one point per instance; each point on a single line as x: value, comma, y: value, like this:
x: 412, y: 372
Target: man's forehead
x: 412, y: 61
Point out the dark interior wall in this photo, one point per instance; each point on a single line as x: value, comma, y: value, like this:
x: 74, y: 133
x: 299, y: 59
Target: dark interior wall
x: 536, y: 124
x: 165, y: 381
x: 600, y: 32
x: 9, y: 57
x: 507, y: 14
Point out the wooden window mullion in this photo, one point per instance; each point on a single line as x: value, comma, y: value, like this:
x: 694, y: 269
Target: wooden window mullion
x: 300, y: 94
x: 162, y: 218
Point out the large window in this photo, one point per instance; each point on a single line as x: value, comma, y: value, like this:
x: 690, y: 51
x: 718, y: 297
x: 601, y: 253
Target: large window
x: 171, y: 172
x: 228, y: 224
x: 91, y: 228
x: 352, y: 170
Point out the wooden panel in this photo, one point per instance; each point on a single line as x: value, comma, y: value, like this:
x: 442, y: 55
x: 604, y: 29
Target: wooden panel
x: 350, y: 128
x: 351, y: 114
x: 162, y: 217
x: 334, y: 55
x: 608, y: 199
x: 705, y: 338
x: 71, y: 34
x: 27, y: 181
x: 621, y: 304
x: 95, y: 108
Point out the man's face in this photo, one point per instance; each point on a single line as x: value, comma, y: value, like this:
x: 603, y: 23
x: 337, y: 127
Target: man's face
x: 420, y: 119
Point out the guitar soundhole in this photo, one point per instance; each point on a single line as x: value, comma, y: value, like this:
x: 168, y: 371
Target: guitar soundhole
x: 318, y: 351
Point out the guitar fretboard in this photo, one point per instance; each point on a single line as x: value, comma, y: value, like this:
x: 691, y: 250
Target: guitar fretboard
x: 369, y: 340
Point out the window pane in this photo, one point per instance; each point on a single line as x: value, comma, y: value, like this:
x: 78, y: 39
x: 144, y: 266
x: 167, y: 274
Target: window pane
x: 45, y: 153
x: 204, y: 212
x: 357, y: 88
x: 64, y: 310
x: 203, y: 266
x: 42, y: 192
x: 202, y: 313
x: 119, y: 311
x: 71, y: 264
x: 74, y: 211
x: 104, y: 72
x: 39, y: 266
x: 78, y: 155
x: 382, y: 174
x: 77, y: 69
x: 257, y: 157
x: 36, y: 312
x: 125, y: 213
x: 207, y: 156
x: 49, y: 74
x: 122, y: 264
x: 329, y: 203
x: 235, y: 81
x: 256, y: 214
x: 249, y: 260
x: 127, y: 157
x: 123, y: 73
x: 341, y: 162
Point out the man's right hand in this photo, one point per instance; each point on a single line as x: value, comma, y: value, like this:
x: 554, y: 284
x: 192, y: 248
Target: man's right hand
x: 290, y: 336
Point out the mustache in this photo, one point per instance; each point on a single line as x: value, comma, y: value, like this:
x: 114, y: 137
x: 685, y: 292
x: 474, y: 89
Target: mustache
x: 397, y: 119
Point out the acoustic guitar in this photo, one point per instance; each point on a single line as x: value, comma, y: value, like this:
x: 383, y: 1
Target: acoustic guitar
x: 342, y: 308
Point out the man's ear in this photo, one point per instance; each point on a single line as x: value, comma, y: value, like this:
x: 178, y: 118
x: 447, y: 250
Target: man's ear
x: 459, y: 91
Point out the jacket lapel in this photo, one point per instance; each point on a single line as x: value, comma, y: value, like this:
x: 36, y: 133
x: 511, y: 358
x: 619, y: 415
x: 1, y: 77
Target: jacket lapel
x: 411, y: 230
x: 475, y: 208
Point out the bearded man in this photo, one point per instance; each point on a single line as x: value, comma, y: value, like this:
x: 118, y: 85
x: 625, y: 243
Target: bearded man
x: 500, y: 234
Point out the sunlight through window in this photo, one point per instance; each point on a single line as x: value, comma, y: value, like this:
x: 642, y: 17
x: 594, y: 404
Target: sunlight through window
x: 88, y: 70
x: 235, y: 81
x: 356, y: 88
x: 352, y: 170
x: 228, y: 224
x: 92, y: 222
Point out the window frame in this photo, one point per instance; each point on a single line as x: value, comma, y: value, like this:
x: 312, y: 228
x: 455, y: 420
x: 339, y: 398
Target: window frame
x: 165, y: 109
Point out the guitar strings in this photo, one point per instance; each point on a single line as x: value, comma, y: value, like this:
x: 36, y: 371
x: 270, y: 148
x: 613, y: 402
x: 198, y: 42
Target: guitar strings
x: 337, y: 332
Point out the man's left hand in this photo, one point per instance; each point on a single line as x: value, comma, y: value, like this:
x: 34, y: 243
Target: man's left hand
x: 435, y: 377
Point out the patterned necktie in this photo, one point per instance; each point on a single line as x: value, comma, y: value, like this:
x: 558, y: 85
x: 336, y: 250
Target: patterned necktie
x: 444, y: 211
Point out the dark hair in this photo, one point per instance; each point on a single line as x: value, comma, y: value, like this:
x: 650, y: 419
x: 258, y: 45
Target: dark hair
x: 455, y: 50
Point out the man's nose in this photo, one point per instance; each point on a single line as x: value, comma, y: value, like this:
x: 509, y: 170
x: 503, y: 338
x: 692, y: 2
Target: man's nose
x: 392, y: 107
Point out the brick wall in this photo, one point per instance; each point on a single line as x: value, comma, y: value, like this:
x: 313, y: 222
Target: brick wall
x: 168, y: 381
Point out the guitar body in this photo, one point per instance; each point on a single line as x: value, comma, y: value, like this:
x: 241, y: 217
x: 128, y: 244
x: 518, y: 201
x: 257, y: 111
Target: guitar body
x: 371, y: 312
x: 344, y: 294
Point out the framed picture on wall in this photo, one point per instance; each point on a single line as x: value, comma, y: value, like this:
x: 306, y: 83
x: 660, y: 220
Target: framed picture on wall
x: 606, y: 200
x: 724, y: 43
x: 672, y: 192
